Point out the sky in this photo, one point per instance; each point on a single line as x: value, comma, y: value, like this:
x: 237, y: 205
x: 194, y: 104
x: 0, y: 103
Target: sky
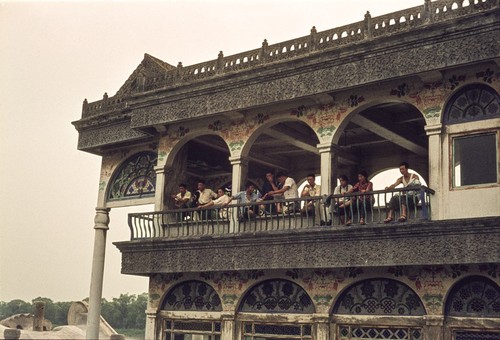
x: 53, y: 55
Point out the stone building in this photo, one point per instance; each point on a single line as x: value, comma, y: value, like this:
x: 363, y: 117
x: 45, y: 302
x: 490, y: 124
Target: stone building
x: 419, y: 85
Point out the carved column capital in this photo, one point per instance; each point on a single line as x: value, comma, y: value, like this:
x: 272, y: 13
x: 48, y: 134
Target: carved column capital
x: 434, y: 320
x: 327, y: 147
x: 159, y: 169
x: 238, y: 160
x: 434, y: 129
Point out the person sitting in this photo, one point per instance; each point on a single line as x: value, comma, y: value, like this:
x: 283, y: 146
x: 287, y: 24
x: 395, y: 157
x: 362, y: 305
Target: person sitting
x: 311, y: 189
x: 408, y: 180
x: 222, y: 201
x: 288, y: 190
x: 182, y: 199
x: 363, y: 202
x: 249, y: 195
x: 342, y: 204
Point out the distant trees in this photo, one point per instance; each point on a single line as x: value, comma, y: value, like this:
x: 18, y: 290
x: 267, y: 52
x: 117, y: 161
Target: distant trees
x: 124, y: 312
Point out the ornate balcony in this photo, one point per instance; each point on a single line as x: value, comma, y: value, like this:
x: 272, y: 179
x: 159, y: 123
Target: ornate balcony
x: 236, y: 218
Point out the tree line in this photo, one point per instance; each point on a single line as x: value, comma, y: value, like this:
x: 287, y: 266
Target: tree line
x: 124, y: 312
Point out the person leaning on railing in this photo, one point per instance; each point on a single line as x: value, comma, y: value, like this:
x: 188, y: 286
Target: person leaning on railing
x: 222, y: 201
x: 363, y: 203
x: 342, y: 205
x: 249, y: 195
x: 311, y: 189
x: 408, y: 180
x: 289, y: 190
x: 182, y: 199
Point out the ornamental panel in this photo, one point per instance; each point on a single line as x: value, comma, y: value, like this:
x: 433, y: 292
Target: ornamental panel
x: 475, y: 296
x: 192, y: 296
x: 277, y: 296
x: 135, y: 178
x: 472, y: 103
x: 379, y: 297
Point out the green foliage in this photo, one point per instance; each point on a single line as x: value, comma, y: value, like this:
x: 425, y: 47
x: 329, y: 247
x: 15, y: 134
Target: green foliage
x: 14, y: 307
x: 124, y: 312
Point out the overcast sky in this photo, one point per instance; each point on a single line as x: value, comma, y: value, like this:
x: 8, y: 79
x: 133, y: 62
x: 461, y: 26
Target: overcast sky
x: 53, y: 55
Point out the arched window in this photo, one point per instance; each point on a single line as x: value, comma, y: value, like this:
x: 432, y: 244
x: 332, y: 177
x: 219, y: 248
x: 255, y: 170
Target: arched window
x: 475, y: 296
x: 192, y: 296
x: 471, y: 103
x: 277, y: 296
x: 379, y: 297
x: 135, y: 178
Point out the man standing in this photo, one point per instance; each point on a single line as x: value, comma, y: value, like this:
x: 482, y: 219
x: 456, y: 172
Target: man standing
x: 289, y: 190
x: 269, y: 185
x: 221, y: 201
x: 205, y: 195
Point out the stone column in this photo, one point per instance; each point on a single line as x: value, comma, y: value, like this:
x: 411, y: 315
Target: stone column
x: 435, y: 169
x: 240, y: 169
x: 327, y: 168
x: 101, y: 221
x: 160, y: 188
x: 150, y: 324
x: 328, y: 161
x: 39, y: 316
x: 228, y: 326
x: 434, y: 327
x: 323, y: 326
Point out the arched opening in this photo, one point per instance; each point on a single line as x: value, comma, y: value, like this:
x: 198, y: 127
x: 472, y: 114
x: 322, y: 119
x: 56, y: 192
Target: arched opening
x: 380, y: 137
x: 473, y: 301
x: 276, y: 296
x: 204, y: 157
x: 385, y: 301
x: 180, y: 308
x: 289, y: 146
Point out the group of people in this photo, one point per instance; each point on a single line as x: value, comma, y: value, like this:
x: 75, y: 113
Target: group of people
x: 344, y: 206
x: 284, y: 189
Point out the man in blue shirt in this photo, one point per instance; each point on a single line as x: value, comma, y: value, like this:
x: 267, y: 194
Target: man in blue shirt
x: 249, y: 195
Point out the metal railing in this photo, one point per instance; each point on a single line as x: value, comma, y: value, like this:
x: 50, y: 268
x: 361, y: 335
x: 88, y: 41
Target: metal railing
x: 282, y: 214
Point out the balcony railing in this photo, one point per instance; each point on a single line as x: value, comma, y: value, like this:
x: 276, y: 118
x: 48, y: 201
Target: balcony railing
x: 278, y: 215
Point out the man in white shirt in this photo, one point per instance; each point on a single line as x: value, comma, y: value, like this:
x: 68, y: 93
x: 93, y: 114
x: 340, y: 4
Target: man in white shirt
x: 206, y: 196
x: 289, y: 190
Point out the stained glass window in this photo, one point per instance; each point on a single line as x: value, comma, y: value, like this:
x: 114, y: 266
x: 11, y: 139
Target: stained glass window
x: 135, y: 178
x: 475, y: 296
x: 379, y: 297
x: 192, y: 296
x: 277, y: 296
x: 473, y: 102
